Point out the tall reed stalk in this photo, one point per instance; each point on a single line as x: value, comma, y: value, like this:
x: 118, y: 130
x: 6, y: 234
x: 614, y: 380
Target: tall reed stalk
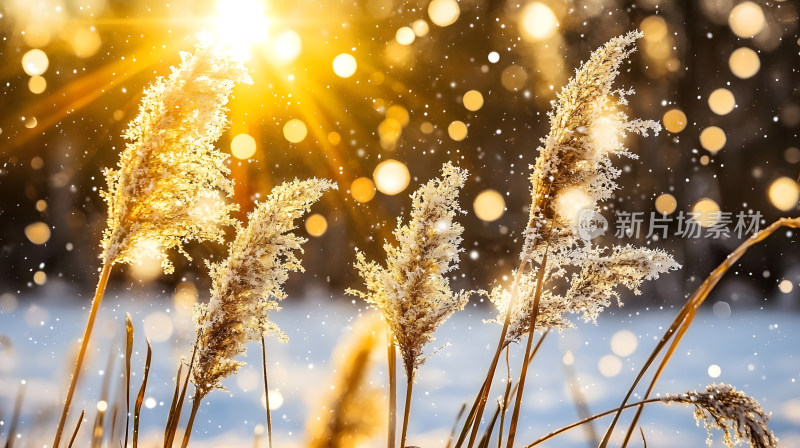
x: 406, y: 410
x: 572, y: 176
x: 170, y: 183
x: 248, y: 284
x: 98, y: 297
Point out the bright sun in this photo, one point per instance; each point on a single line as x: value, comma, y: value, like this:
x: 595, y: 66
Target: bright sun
x: 241, y: 24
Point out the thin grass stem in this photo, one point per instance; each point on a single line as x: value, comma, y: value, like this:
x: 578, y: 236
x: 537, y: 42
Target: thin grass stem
x: 176, y: 414
x: 98, y: 298
x: 128, y: 353
x: 505, y: 400
x: 455, y: 425
x: 188, y: 433
x: 525, y: 362
x: 98, y: 431
x: 487, y: 436
x: 592, y: 418
x: 407, y: 411
x: 12, y: 428
x: 266, y: 389
x: 392, y: 356
x: 173, y: 404
x: 140, y: 397
x: 77, y: 427
x: 475, y: 415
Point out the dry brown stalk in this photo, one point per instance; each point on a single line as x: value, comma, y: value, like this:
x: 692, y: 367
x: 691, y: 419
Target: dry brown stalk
x: 573, y: 174
x: 687, y: 313
x: 170, y: 183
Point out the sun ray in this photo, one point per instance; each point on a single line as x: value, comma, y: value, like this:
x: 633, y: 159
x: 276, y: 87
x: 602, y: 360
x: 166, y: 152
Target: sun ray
x: 76, y: 95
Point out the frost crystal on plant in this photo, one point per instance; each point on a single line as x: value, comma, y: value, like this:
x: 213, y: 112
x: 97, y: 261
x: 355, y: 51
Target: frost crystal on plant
x: 738, y: 416
x: 171, y: 182
x: 412, y: 292
x: 601, y: 271
x: 247, y: 285
x: 572, y: 175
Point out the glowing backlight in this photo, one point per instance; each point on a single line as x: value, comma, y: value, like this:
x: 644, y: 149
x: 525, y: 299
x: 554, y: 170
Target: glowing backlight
x: 241, y: 24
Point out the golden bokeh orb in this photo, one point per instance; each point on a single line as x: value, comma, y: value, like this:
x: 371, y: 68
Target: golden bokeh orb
x: 362, y: 189
x: 746, y: 19
x: 443, y: 12
x: 538, y: 21
x: 37, y: 84
x: 405, y: 36
x: 37, y: 233
x: 35, y: 62
x: 666, y: 204
x: 457, y: 130
x: 489, y: 205
x: 316, y: 225
x: 40, y: 278
x: 391, y: 177
x: 654, y: 28
x: 243, y: 146
x: 784, y: 193
x: 713, y: 138
x: 721, y: 101
x: 85, y: 42
x: 473, y: 100
x: 707, y: 212
x: 744, y: 63
x: 286, y: 47
x: 624, y: 343
x: 420, y: 27
x: 344, y: 65
x: 398, y: 113
x: 295, y: 130
x: 674, y: 120
x: 514, y: 78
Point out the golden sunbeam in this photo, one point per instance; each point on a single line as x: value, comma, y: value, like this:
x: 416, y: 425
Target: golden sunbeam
x: 74, y: 96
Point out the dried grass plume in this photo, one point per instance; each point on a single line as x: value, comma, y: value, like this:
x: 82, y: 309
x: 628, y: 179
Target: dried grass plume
x: 572, y: 176
x: 247, y: 286
x: 412, y: 292
x: 574, y: 170
x: 738, y: 416
x: 171, y: 182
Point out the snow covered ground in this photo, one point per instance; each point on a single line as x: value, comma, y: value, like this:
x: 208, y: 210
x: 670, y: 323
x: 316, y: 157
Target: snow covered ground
x: 754, y: 350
